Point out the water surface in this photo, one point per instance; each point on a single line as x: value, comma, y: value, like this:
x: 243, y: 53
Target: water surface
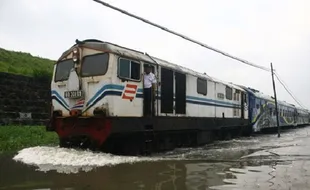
x: 261, y: 162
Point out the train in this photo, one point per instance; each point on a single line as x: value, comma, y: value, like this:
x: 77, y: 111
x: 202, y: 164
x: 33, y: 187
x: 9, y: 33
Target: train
x: 97, y: 103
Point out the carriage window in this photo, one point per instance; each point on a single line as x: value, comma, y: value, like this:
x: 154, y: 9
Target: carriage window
x: 281, y: 112
x: 63, y: 69
x: 270, y: 111
x: 228, y: 93
x: 95, y: 65
x: 202, y: 86
x: 128, y: 69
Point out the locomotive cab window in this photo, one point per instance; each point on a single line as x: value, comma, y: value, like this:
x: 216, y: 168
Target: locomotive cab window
x: 128, y: 69
x: 63, y: 69
x: 202, y: 87
x: 95, y: 65
x: 229, y: 94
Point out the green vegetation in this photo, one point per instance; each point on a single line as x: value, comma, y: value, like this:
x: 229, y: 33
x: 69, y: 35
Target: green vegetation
x: 25, y: 64
x: 14, y: 138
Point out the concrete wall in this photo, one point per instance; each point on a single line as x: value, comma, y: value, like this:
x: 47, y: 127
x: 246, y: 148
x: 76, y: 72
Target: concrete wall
x: 24, y: 100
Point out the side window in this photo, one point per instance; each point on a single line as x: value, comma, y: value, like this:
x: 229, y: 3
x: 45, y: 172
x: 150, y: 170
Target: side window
x: 128, y: 69
x: 228, y: 93
x: 220, y: 96
x: 202, y: 86
x: 236, y: 96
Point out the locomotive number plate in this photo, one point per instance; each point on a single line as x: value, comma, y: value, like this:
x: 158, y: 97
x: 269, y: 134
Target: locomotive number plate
x: 74, y: 94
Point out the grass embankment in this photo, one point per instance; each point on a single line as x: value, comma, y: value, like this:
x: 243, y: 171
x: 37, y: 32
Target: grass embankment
x: 14, y: 138
x: 25, y: 64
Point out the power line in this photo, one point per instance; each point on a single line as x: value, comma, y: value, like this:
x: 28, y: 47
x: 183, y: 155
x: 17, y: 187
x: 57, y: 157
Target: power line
x: 288, y: 91
x: 182, y: 36
x: 196, y: 42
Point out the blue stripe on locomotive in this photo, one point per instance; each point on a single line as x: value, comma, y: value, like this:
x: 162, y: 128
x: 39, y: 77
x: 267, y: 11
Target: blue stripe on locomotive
x: 115, y: 90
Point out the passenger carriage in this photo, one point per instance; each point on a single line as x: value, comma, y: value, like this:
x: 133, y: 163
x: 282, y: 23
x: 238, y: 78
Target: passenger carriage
x: 262, y: 112
x: 97, y: 101
x: 302, y: 116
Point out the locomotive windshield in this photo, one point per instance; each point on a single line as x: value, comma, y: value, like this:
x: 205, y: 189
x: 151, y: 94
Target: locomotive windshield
x: 95, y: 65
x: 63, y: 69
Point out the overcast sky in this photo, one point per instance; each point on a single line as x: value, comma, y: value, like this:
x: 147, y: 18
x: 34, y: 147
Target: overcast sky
x: 260, y: 31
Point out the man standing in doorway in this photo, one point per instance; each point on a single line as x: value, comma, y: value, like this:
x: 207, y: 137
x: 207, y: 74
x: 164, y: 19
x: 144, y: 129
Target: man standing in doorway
x: 149, y: 90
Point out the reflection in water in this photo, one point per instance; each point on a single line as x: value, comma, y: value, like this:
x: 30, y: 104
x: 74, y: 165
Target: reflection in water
x: 146, y: 175
x: 272, y: 174
x: 202, y: 175
x: 262, y: 162
x: 171, y: 176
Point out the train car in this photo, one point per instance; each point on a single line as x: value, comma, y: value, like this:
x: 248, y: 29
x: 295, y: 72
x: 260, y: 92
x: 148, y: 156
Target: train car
x: 262, y: 112
x: 97, y: 102
x: 302, y: 116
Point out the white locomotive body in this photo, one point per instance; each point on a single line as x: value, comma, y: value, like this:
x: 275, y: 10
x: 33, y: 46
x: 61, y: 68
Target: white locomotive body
x: 97, y: 96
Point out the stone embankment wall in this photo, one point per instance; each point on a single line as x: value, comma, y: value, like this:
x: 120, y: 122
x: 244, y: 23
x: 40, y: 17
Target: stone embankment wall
x: 24, y: 100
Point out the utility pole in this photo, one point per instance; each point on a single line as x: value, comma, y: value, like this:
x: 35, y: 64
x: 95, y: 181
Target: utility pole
x: 275, y: 98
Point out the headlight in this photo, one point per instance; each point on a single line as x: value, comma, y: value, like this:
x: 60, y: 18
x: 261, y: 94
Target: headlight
x: 75, y: 55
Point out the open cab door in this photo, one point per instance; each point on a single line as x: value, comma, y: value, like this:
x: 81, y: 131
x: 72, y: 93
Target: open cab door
x: 154, y: 100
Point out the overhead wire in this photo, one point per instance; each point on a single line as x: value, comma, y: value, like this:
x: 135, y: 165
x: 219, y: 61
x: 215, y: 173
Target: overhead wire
x: 182, y: 36
x: 288, y: 91
x: 196, y: 42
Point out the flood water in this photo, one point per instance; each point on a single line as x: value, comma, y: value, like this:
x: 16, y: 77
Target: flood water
x: 260, y: 162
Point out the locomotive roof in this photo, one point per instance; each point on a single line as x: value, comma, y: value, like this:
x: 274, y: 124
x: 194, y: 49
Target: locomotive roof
x: 134, y: 54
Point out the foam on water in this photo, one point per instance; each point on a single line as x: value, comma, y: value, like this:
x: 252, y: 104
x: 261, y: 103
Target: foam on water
x: 72, y: 161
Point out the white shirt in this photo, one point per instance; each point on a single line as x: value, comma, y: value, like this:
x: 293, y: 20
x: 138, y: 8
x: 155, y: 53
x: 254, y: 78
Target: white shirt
x: 149, y: 79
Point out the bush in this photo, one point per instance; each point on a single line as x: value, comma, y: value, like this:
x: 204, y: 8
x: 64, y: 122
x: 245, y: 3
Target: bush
x: 14, y: 138
x: 25, y: 64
